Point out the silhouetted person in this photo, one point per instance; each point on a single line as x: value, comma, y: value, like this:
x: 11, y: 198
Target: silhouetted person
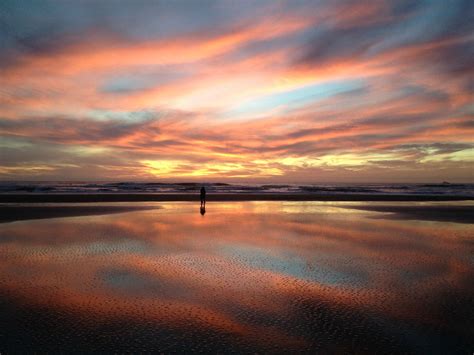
x: 203, y: 210
x: 203, y: 197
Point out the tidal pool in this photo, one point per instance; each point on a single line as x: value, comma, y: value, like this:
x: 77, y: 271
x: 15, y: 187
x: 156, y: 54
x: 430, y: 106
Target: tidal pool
x: 258, y: 277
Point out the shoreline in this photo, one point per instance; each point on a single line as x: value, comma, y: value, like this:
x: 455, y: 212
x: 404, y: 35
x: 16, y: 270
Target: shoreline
x: 20, y: 213
x: 223, y: 197
x: 457, y: 214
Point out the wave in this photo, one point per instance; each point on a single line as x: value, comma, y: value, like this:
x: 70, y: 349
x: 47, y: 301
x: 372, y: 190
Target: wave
x: 192, y: 187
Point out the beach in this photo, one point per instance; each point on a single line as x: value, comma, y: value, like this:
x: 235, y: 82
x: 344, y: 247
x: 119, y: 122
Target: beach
x: 252, y: 276
x: 15, y: 207
x: 24, y: 207
x: 457, y: 208
x: 9, y: 213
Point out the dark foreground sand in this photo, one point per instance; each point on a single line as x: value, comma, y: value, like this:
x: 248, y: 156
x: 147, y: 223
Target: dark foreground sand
x: 17, y: 213
x: 39, y: 198
x: 458, y: 214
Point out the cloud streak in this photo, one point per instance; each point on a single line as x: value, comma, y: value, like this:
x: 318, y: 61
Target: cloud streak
x: 272, y: 91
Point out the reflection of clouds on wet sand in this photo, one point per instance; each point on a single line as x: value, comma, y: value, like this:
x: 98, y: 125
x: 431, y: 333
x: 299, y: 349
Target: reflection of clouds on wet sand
x: 258, y: 276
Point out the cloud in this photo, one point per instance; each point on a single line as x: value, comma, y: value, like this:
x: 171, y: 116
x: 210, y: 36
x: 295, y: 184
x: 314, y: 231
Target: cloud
x: 236, y: 91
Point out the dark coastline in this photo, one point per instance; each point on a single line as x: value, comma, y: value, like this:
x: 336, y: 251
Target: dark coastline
x: 19, y: 213
x: 457, y: 214
x: 150, y: 197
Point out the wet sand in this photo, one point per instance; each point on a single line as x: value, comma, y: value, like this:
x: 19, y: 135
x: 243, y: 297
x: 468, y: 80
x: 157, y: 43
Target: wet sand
x: 442, y: 213
x: 458, y: 214
x: 128, y: 197
x: 245, y: 277
x: 18, y: 213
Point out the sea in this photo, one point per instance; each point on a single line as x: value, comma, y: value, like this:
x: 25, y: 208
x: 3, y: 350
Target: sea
x: 61, y: 187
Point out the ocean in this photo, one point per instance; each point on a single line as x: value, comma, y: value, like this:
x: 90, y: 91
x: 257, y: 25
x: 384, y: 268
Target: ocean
x: 192, y: 187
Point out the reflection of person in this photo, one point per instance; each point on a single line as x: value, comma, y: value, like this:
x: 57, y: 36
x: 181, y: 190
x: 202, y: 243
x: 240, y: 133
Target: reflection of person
x: 203, y: 197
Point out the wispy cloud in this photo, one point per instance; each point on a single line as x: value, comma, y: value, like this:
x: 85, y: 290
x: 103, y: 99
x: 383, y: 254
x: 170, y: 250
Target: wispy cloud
x: 284, y: 91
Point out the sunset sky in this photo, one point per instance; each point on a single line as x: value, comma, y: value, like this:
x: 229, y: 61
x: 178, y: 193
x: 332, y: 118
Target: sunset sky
x: 270, y: 91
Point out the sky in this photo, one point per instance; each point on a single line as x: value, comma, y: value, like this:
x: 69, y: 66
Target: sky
x: 234, y: 91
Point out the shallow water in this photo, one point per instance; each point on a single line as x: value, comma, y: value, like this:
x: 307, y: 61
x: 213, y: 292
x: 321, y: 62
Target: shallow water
x: 245, y: 277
